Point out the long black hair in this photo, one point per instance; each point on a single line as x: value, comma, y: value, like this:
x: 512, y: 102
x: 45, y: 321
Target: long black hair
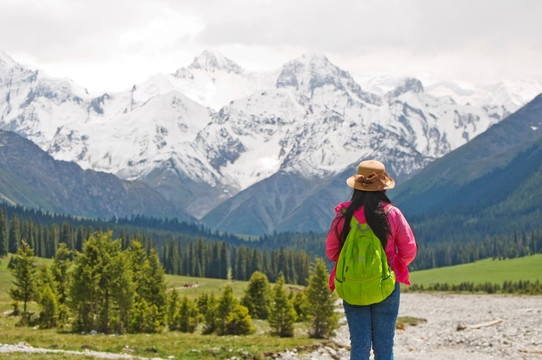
x: 374, y: 214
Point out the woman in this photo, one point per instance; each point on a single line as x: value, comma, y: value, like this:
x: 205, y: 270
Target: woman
x: 373, y: 325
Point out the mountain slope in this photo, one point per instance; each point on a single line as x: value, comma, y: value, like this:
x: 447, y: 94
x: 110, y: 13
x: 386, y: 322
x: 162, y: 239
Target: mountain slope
x: 309, y: 119
x: 31, y: 177
x: 442, y: 183
x: 315, y: 127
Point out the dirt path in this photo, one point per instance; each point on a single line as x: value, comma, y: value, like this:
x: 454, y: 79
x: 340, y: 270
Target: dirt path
x: 25, y: 348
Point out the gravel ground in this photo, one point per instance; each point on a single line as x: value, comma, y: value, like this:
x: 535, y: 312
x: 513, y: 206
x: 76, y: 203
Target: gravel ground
x: 458, y: 327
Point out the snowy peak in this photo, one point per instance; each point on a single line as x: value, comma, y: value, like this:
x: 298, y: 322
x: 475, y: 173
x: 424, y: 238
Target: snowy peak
x: 315, y: 73
x: 213, y: 61
x: 6, y: 61
x: 407, y: 85
x: 214, y: 80
x: 310, y: 72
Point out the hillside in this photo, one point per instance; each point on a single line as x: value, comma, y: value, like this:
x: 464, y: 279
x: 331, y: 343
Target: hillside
x: 479, y: 272
x: 490, y: 186
x: 456, y: 179
x: 31, y: 177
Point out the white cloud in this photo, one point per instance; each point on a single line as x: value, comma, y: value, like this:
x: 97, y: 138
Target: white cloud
x: 110, y: 44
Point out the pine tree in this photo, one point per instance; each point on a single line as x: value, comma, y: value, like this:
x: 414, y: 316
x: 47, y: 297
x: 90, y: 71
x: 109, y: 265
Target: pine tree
x: 156, y: 283
x: 257, y: 296
x: 24, y: 274
x: 49, y: 308
x: 214, y: 262
x: 150, y: 297
x: 226, y: 304
x: 242, y: 260
x: 80, y: 239
x: 238, y: 321
x: 320, y: 302
x: 175, y: 257
x: 283, y: 264
x: 234, y: 262
x: 66, y: 236
x: 166, y: 257
x: 266, y: 266
x: 187, y: 316
x: 144, y: 318
x: 299, y: 300
x: 4, y: 238
x: 172, y: 307
x: 122, y: 290
x: 61, y: 280
x: 14, y: 234
x: 292, y: 275
x: 224, y: 263
x: 255, y: 261
x: 179, y: 259
x: 40, y: 251
x: 283, y: 315
x: 210, y: 313
x: 52, y: 243
x: 101, y: 289
x: 192, y: 262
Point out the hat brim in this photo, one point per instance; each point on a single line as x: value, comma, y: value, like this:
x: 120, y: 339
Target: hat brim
x: 388, y: 183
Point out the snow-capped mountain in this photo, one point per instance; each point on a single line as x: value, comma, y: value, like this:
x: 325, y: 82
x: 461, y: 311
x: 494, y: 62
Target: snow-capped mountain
x: 214, y: 80
x: 502, y: 96
x: 211, y: 130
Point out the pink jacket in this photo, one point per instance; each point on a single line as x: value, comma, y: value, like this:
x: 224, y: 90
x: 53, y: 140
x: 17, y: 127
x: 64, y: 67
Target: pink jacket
x: 400, y: 250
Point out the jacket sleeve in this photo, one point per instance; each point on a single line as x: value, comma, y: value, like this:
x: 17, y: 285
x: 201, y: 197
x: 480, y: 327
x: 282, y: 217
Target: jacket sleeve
x: 333, y: 247
x: 405, y: 243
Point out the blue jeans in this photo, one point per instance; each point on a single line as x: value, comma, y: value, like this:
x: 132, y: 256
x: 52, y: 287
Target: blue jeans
x: 373, y: 325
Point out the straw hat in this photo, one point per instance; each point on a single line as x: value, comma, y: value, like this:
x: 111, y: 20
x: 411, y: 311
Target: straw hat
x: 371, y: 176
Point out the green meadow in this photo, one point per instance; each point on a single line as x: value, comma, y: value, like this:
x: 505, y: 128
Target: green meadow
x: 487, y: 270
x: 168, y: 344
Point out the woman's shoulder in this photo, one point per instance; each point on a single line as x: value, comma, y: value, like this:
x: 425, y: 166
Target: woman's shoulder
x: 395, y: 215
x: 392, y: 210
x: 343, y: 205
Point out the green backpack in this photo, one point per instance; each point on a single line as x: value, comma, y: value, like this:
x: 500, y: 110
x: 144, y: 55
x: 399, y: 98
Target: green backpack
x: 363, y: 275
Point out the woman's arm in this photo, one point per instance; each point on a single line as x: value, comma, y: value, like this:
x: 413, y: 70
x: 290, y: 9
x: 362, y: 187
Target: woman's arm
x: 405, y: 243
x: 333, y: 245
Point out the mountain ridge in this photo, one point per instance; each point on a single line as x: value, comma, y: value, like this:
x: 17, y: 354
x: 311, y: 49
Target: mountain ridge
x: 31, y: 177
x: 494, y: 148
x: 309, y: 119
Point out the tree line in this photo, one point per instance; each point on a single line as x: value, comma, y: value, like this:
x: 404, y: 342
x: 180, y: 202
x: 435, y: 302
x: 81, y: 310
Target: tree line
x: 180, y: 254
x: 439, y: 254
x: 108, y: 289
x: 216, y: 260
x: 291, y: 252
x: 525, y: 287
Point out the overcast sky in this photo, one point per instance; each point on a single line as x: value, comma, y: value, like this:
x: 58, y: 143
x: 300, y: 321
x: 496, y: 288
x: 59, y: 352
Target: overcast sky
x: 111, y: 44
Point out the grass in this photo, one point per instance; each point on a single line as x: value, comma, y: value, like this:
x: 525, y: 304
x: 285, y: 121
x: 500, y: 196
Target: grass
x: 193, y: 287
x: 196, y: 286
x: 487, y: 270
x: 403, y: 321
x: 163, y: 345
